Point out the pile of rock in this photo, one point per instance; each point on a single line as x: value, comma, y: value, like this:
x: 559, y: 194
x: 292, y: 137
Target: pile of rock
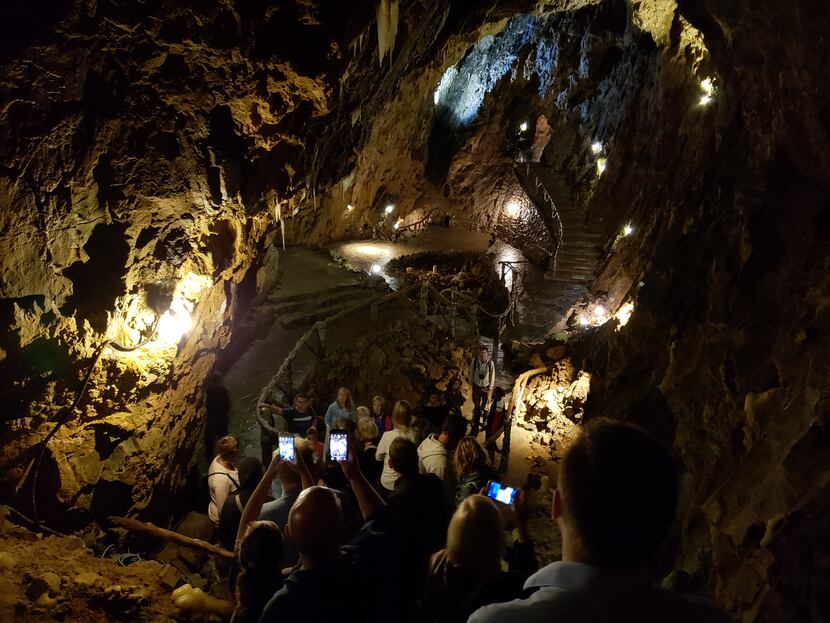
x: 405, y: 361
x: 553, y: 407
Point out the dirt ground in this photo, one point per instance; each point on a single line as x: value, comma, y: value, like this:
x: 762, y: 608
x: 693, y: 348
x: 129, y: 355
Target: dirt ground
x: 50, y: 578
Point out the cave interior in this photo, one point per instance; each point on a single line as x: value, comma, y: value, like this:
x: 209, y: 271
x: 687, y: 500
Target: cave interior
x: 204, y: 205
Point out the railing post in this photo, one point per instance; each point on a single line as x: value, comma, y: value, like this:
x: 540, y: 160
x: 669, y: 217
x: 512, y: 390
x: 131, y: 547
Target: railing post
x: 452, y: 313
x: 321, y: 334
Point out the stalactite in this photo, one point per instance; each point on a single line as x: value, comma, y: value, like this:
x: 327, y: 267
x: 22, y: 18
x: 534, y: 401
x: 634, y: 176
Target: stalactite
x: 387, y: 18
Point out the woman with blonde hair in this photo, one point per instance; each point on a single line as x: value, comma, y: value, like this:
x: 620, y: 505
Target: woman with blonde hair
x: 366, y: 435
x: 342, y: 407
x: 471, y: 468
x: 402, y: 419
x: 467, y: 574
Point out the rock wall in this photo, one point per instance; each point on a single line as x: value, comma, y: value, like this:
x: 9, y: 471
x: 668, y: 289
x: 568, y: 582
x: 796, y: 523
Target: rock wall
x: 146, y: 147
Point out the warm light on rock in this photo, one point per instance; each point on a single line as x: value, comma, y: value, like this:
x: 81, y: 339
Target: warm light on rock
x: 602, y: 163
x: 512, y: 208
x: 596, y: 147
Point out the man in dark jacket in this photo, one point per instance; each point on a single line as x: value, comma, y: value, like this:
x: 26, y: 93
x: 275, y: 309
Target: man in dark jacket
x: 331, y: 582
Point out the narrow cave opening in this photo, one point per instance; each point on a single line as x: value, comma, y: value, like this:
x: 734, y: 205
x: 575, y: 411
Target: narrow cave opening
x: 454, y: 287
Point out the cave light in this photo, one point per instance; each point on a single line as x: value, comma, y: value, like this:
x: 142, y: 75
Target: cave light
x: 390, y: 208
x: 602, y: 164
x: 584, y: 321
x: 628, y: 229
x: 512, y: 208
x: 396, y: 225
x: 349, y: 208
x: 624, y: 313
x: 162, y: 331
x: 376, y: 269
x: 523, y: 126
x: 599, y: 312
x: 596, y: 147
x: 708, y: 89
x: 174, y: 323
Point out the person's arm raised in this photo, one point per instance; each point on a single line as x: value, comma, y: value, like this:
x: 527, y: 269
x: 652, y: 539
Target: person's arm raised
x: 254, y: 506
x: 263, y: 422
x: 302, y: 469
x: 368, y: 500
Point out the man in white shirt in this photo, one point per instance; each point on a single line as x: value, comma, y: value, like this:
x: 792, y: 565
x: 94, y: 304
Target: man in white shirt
x: 222, y: 476
x: 614, y: 504
x: 482, y: 379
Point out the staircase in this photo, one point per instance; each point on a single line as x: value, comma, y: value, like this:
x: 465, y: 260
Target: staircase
x: 580, y: 249
x: 303, y: 310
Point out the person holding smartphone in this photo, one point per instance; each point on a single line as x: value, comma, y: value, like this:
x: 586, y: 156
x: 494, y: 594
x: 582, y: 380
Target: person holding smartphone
x: 340, y: 572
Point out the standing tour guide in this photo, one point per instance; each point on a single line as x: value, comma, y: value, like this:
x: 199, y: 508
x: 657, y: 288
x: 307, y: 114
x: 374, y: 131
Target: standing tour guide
x: 482, y: 379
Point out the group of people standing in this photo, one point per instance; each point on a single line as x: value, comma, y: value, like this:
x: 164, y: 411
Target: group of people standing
x: 401, y: 531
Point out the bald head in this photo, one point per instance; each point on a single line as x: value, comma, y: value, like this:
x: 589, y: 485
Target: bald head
x: 315, y: 524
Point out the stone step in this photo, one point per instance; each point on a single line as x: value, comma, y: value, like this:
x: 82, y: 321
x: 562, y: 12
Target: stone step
x: 308, y: 316
x: 308, y: 296
x: 572, y: 276
x: 579, y: 252
x: 324, y: 299
x: 564, y: 258
x: 577, y: 267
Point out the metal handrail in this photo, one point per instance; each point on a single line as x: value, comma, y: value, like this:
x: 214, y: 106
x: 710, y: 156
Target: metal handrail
x: 557, y: 220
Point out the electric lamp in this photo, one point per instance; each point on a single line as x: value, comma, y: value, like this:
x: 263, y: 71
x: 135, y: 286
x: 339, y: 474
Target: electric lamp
x: 349, y: 208
x: 512, y: 208
x: 596, y: 147
x: 376, y: 268
x: 523, y: 126
x: 584, y: 321
x: 628, y: 229
x: 602, y: 164
x: 708, y: 89
x: 390, y: 208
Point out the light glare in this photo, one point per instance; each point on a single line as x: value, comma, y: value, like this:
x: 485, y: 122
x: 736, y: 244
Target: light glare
x: 596, y: 147
x: 602, y: 164
x: 523, y: 126
x: 390, y: 208
x: 376, y: 268
x: 584, y: 321
x: 512, y: 208
x: 628, y: 229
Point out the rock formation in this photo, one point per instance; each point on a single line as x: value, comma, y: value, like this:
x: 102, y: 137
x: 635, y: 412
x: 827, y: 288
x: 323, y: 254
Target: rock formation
x: 146, y: 147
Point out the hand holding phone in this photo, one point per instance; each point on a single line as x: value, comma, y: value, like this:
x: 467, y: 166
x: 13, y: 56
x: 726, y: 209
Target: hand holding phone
x: 286, y: 441
x: 339, y: 445
x: 500, y: 493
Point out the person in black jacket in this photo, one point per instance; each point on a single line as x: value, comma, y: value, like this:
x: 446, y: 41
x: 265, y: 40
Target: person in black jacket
x: 467, y: 574
x: 330, y: 582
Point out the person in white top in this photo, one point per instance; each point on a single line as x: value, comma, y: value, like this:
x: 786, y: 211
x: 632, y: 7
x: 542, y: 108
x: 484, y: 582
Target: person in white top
x: 222, y: 476
x: 402, y: 420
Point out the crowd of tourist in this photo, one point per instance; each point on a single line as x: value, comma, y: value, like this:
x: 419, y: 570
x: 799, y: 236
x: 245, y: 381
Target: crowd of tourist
x: 401, y: 530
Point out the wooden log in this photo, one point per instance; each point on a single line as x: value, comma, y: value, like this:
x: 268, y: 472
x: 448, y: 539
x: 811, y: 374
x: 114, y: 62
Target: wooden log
x: 169, y: 535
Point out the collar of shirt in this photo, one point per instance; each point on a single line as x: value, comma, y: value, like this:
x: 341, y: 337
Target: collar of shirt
x: 579, y: 576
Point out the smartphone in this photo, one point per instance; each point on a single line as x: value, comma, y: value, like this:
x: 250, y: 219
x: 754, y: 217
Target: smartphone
x: 339, y: 445
x: 500, y: 493
x: 287, y: 447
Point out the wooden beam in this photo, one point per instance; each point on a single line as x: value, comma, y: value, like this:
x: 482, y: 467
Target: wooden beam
x: 169, y: 535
